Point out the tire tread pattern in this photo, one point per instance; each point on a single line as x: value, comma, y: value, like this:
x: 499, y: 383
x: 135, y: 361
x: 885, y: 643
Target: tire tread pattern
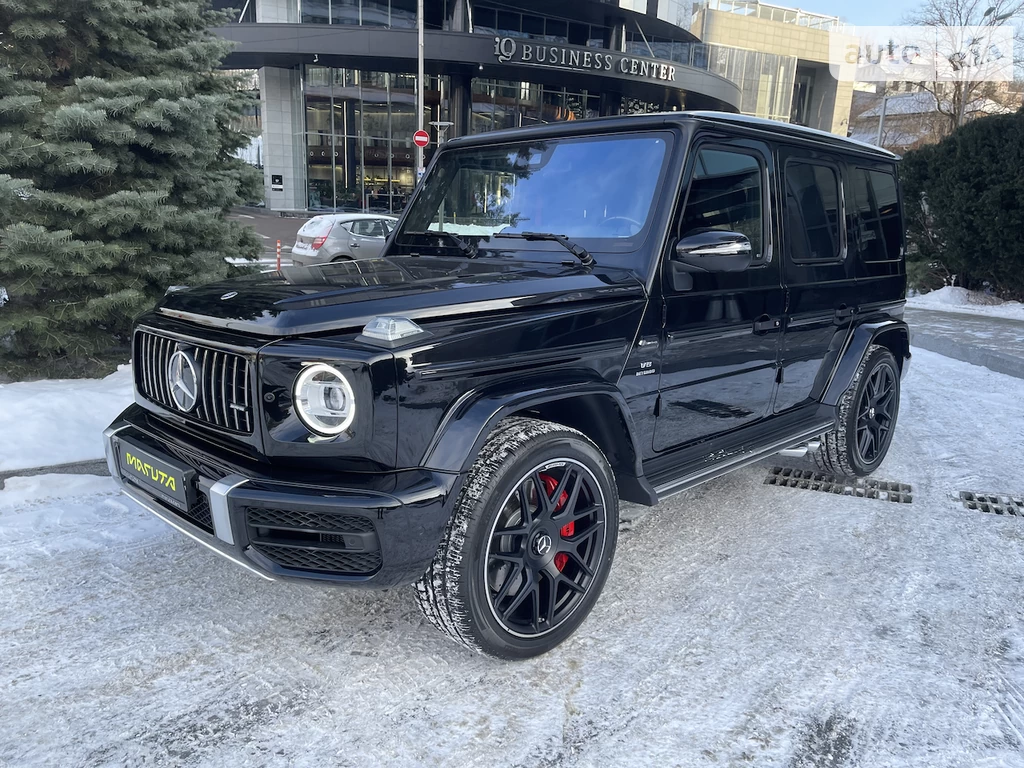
x: 438, y: 590
x: 834, y: 455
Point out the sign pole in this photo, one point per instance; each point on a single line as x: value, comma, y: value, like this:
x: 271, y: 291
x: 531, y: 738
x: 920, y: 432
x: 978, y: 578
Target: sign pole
x: 419, y: 84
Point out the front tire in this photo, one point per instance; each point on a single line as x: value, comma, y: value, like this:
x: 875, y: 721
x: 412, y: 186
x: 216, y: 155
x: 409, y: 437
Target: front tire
x: 529, y: 544
x: 867, y: 418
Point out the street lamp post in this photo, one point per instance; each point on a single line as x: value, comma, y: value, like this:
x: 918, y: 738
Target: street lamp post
x: 419, y: 84
x: 441, y: 126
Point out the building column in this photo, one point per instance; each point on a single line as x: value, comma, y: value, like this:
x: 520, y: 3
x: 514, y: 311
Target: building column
x: 276, y: 11
x: 460, y: 104
x: 284, y: 147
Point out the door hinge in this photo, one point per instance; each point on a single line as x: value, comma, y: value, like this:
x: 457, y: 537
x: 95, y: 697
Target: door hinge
x: 664, y: 312
x: 657, y: 406
x: 785, y: 300
x: 780, y: 375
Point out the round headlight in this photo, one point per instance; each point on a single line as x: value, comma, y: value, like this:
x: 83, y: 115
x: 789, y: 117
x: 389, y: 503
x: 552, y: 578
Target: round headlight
x: 324, y: 400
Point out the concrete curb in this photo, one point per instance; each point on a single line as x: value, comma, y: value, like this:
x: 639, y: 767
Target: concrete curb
x: 95, y: 467
x: 1000, y: 362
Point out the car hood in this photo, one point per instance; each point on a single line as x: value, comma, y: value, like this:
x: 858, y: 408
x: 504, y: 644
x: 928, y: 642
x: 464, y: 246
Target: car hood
x: 346, y: 295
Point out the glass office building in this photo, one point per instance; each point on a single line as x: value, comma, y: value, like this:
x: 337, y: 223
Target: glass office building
x: 338, y: 89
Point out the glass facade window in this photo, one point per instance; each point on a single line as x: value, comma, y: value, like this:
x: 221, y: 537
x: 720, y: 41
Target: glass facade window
x: 512, y: 104
x: 491, y: 20
x: 359, y: 127
x: 374, y: 13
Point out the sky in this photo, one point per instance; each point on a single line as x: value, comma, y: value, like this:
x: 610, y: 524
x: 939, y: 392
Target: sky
x: 863, y: 12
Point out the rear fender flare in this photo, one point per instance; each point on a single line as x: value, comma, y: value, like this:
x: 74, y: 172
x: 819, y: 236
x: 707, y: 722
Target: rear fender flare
x: 893, y: 334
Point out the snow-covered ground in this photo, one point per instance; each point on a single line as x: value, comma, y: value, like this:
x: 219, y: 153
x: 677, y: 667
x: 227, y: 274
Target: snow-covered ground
x: 742, y: 624
x: 59, y: 421
x: 954, y: 299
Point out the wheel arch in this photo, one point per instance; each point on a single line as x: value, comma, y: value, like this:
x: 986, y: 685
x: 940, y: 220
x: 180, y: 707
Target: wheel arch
x: 595, y: 408
x: 894, y: 335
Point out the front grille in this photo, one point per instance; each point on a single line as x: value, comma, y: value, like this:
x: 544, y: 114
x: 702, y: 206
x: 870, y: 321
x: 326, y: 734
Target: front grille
x: 319, y: 559
x: 199, y: 513
x: 294, y: 519
x: 315, y: 540
x: 224, y: 399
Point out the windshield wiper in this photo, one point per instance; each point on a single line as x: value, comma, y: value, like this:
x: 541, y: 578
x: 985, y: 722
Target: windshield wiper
x: 465, y: 246
x: 578, y: 251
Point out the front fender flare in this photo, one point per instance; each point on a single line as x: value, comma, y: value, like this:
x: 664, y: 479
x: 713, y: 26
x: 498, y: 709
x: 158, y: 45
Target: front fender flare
x: 470, y: 420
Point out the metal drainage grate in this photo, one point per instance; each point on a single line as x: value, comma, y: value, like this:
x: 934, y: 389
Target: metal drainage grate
x: 996, y: 503
x: 862, y: 487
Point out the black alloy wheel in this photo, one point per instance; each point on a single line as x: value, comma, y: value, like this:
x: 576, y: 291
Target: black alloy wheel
x: 545, y: 547
x: 876, y: 413
x: 866, y: 418
x: 530, y: 542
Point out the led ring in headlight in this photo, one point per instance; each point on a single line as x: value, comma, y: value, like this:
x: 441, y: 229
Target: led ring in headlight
x: 324, y: 400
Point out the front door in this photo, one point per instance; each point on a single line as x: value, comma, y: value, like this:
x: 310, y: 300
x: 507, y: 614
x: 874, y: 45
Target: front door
x: 721, y: 329
x: 367, y: 238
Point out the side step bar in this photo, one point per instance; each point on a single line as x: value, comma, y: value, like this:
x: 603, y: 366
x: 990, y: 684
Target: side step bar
x: 801, y: 450
x: 806, y: 436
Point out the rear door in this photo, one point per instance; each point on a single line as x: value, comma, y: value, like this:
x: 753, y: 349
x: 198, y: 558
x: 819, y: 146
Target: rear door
x: 721, y: 329
x: 818, y: 271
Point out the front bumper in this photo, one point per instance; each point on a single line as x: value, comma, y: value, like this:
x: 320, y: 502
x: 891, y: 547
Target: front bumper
x: 373, y: 530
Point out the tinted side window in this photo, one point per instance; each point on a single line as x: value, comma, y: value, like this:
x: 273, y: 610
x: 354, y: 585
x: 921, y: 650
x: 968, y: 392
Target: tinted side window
x: 725, y: 193
x: 812, y: 211
x: 883, y: 186
x: 865, y: 221
x: 876, y: 215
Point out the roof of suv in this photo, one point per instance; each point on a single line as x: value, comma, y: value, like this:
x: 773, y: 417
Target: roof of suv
x: 661, y: 119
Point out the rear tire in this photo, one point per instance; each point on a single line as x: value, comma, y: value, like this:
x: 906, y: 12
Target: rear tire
x: 517, y: 572
x: 867, y: 418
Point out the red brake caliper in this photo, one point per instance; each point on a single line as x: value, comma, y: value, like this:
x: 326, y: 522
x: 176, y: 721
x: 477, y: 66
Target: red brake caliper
x: 550, y: 484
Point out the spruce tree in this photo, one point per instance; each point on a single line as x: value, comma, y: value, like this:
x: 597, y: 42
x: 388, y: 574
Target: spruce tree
x: 117, y: 135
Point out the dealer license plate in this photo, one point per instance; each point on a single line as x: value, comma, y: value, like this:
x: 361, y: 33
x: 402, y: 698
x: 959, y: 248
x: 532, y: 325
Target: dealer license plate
x: 156, y: 474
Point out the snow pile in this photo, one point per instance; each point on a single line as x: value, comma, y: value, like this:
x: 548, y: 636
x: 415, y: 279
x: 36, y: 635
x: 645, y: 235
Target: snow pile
x: 23, y: 490
x: 45, y: 520
x: 59, y: 421
x: 955, y: 299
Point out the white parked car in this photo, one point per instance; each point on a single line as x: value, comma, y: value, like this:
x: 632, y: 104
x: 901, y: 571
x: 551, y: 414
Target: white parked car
x: 341, y: 237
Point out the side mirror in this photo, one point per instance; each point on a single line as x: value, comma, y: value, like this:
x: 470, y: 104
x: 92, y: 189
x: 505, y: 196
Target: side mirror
x: 714, y: 250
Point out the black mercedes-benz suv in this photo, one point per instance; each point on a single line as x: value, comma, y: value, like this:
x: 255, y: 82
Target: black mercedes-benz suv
x: 565, y: 317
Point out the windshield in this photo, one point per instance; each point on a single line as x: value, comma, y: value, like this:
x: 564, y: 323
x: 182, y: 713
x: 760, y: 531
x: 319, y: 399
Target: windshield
x: 595, y: 187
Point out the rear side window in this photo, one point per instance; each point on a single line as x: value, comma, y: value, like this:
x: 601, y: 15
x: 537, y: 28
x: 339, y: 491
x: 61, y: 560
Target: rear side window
x: 877, y: 215
x: 812, y: 211
x: 883, y: 185
x: 726, y: 193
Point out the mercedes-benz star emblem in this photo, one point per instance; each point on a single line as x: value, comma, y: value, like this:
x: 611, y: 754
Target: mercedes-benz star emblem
x: 542, y: 544
x: 183, y: 380
x: 229, y: 295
